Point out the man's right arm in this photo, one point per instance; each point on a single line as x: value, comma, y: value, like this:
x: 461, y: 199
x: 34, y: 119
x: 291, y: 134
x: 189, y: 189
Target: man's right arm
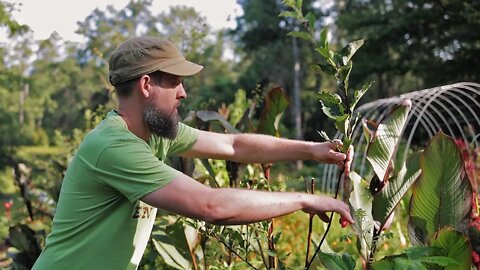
x: 226, y: 206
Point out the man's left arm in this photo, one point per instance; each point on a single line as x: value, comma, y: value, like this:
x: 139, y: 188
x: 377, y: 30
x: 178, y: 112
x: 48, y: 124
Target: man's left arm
x: 257, y: 148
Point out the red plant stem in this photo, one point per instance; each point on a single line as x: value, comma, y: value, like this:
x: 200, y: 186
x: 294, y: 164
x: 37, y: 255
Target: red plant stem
x: 310, y: 224
x: 329, y: 222
x: 271, y: 244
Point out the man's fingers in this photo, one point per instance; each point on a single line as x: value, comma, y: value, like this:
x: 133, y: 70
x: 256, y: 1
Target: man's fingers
x: 336, y: 144
x: 345, y: 214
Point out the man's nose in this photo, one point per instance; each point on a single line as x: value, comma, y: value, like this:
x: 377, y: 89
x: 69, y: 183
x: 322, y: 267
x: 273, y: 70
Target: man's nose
x: 181, y: 93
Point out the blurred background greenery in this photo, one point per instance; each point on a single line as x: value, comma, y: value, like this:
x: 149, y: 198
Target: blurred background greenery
x: 53, y: 91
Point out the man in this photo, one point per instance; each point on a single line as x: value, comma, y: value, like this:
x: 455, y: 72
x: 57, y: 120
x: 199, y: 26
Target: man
x: 118, y: 177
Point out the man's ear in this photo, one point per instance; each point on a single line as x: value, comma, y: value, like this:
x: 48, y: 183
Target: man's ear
x: 144, y: 85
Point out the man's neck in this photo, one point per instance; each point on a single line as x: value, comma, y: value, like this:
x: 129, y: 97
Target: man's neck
x: 134, y: 119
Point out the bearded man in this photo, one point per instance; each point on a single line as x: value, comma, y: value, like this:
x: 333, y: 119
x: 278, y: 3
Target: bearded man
x: 118, y: 177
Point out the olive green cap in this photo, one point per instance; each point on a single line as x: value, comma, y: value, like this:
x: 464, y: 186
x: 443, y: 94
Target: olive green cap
x: 143, y: 55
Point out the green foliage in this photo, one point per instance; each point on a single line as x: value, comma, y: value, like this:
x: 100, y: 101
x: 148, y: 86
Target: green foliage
x: 384, y: 140
x: 247, y: 243
x: 238, y: 107
x: 385, y: 202
x: 454, y: 246
x: 449, y: 251
x: 338, y: 107
x: 361, y: 209
x: 412, y: 44
x: 23, y: 239
x: 7, y: 20
x: 439, y: 196
x: 335, y: 261
x: 173, y: 245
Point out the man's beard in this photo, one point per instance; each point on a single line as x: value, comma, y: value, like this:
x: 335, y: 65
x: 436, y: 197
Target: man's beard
x: 160, y: 123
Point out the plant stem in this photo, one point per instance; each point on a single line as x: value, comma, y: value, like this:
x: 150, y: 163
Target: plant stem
x: 329, y: 222
x: 373, y: 247
x: 234, y: 252
x: 310, y: 224
x: 260, y: 249
x: 271, y: 244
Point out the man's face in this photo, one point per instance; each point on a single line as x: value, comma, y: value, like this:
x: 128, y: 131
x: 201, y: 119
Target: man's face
x: 160, y: 113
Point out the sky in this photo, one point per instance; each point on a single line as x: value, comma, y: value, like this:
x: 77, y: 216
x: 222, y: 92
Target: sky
x: 46, y: 16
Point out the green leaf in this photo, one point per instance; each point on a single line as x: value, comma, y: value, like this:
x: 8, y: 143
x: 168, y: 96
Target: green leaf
x: 361, y: 210
x: 302, y: 35
x: 358, y: 94
x: 342, y: 124
x: 271, y: 253
x: 328, y: 69
x: 332, y: 106
x: 324, y: 52
x: 276, y: 102
x: 289, y: 14
x: 299, y: 4
x: 383, y: 143
x: 289, y: 3
x: 441, y: 261
x: 171, y: 245
x: 348, y: 51
x: 407, y: 264
x: 25, y: 241
x: 455, y: 246
x: 323, y: 42
x: 344, y: 74
x: 214, y: 116
x: 335, y: 261
x: 213, y: 183
x: 441, y: 197
x: 382, y: 265
x: 238, y: 108
x: 310, y: 17
x: 418, y: 252
x: 387, y: 199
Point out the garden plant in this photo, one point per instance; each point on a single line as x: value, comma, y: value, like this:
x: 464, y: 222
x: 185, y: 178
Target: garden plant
x: 441, y: 202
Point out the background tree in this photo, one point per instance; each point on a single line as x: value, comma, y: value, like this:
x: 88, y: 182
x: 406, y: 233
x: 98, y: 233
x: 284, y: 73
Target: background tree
x: 413, y: 44
x: 269, y: 58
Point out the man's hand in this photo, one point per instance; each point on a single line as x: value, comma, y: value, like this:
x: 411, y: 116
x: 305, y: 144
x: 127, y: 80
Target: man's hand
x: 319, y: 204
x: 329, y: 152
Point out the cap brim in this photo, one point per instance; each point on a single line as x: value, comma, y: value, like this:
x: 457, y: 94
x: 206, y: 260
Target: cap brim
x: 185, y: 68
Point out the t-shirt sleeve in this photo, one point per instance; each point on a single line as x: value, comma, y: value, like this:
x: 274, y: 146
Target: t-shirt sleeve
x: 133, y: 170
x: 186, y: 137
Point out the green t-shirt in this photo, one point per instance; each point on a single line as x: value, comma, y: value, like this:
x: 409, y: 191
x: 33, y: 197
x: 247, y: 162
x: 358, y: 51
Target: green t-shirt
x: 100, y: 223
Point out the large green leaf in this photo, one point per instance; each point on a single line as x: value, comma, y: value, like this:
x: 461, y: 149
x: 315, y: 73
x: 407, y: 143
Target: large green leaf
x: 383, y: 141
x: 173, y: 245
x: 388, y: 198
x: 276, y: 102
x: 441, y: 197
x: 417, y: 257
x: 335, y: 261
x: 361, y: 210
x: 455, y: 246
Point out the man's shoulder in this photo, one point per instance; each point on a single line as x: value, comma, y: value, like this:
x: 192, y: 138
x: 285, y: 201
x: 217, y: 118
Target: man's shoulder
x: 111, y: 131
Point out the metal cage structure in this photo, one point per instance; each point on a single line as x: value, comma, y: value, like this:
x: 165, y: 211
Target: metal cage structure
x: 453, y: 109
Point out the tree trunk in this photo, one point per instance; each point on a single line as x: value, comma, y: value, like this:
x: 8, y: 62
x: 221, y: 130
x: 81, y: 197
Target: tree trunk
x: 297, y: 106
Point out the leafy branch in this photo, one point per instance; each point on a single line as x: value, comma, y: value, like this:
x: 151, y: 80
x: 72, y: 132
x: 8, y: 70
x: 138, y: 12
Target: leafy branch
x: 338, y: 64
